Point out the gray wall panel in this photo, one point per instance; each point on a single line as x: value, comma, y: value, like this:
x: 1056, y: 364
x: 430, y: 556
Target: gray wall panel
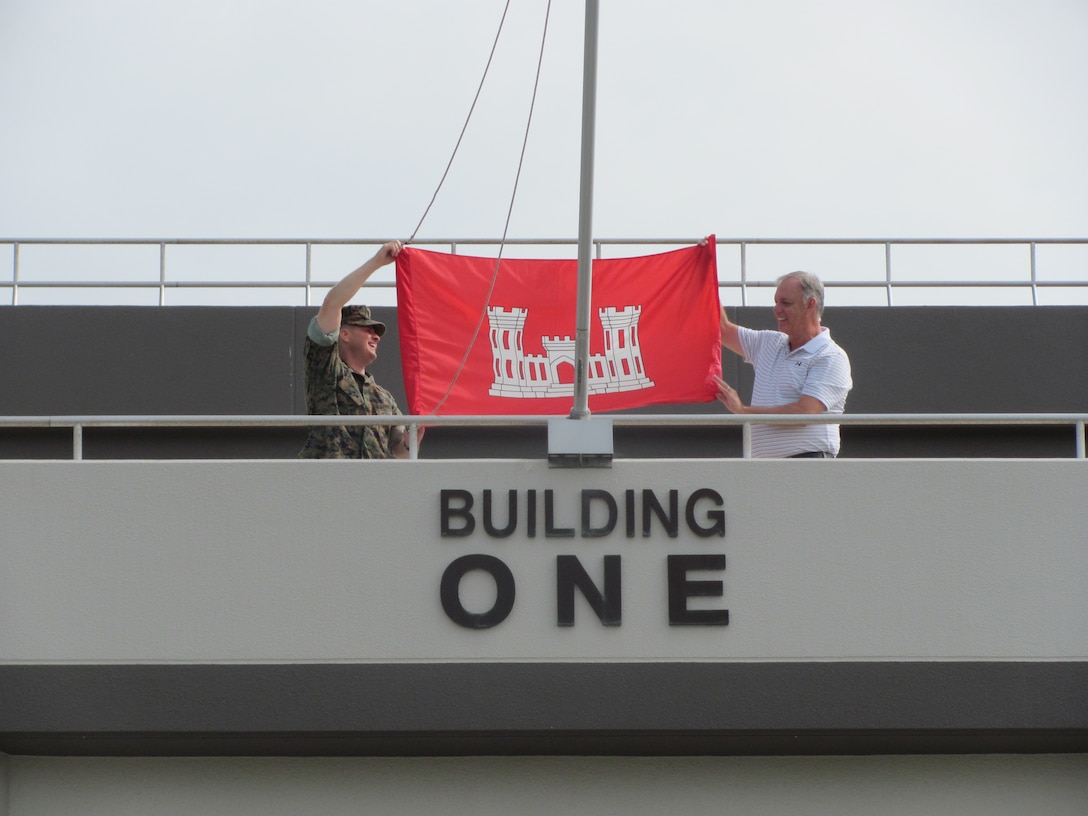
x: 579, y: 708
x: 248, y: 360
x: 135, y: 360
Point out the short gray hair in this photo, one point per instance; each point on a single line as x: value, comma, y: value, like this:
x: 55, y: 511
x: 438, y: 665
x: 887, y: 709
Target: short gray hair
x: 811, y: 287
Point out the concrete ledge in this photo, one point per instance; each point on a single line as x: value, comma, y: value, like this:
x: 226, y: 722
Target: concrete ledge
x: 544, y: 708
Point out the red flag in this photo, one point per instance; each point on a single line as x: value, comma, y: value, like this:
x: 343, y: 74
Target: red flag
x: 654, y: 334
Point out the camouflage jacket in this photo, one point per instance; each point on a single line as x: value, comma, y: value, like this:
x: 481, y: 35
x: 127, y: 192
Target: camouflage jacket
x: 333, y: 389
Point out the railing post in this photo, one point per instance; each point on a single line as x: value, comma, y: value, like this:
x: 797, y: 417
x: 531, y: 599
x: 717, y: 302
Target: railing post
x: 162, y: 273
x: 743, y: 274
x: 15, y: 277
x: 1034, y: 288
x: 888, y: 270
x: 77, y: 442
x: 309, y: 272
x: 1080, y: 439
x: 746, y: 447
x: 413, y: 441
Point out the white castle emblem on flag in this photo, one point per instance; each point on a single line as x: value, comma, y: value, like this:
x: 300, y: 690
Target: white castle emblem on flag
x: 518, y: 374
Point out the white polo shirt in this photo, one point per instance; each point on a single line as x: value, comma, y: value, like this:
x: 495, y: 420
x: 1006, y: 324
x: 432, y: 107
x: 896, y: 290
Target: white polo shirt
x: 819, y: 369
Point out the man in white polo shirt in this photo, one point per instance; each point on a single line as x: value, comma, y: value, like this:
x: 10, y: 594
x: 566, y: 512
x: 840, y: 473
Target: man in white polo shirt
x: 799, y: 369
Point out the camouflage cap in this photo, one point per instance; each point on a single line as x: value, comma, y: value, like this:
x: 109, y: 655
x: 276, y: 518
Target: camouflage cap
x: 360, y: 316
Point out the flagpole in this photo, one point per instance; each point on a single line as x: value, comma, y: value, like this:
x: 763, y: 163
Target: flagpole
x: 585, y: 217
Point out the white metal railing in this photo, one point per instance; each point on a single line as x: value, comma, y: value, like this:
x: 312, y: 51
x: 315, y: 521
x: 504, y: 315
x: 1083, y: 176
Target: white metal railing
x: 734, y: 253
x: 78, y: 423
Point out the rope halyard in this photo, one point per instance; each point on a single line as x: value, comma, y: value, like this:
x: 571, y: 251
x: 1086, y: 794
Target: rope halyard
x: 513, y: 193
x: 468, y: 118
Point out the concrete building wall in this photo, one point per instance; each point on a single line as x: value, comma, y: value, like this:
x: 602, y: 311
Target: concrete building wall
x: 254, y: 637
x: 468, y: 786
x: 146, y: 562
x: 270, y: 637
x: 316, y: 607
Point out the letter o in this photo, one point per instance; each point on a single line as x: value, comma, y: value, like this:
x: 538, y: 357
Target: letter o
x: 450, y: 591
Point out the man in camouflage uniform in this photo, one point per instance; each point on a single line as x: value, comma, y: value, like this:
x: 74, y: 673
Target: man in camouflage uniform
x: 340, y: 343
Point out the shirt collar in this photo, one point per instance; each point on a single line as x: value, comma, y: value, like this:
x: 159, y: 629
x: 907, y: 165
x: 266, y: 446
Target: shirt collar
x: 816, y: 344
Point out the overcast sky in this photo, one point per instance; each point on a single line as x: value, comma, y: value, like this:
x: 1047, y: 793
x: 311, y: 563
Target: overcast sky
x: 745, y: 118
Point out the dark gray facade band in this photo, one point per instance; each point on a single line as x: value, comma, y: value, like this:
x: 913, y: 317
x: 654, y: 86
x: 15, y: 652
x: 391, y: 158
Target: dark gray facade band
x: 247, y: 361
x: 544, y: 708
